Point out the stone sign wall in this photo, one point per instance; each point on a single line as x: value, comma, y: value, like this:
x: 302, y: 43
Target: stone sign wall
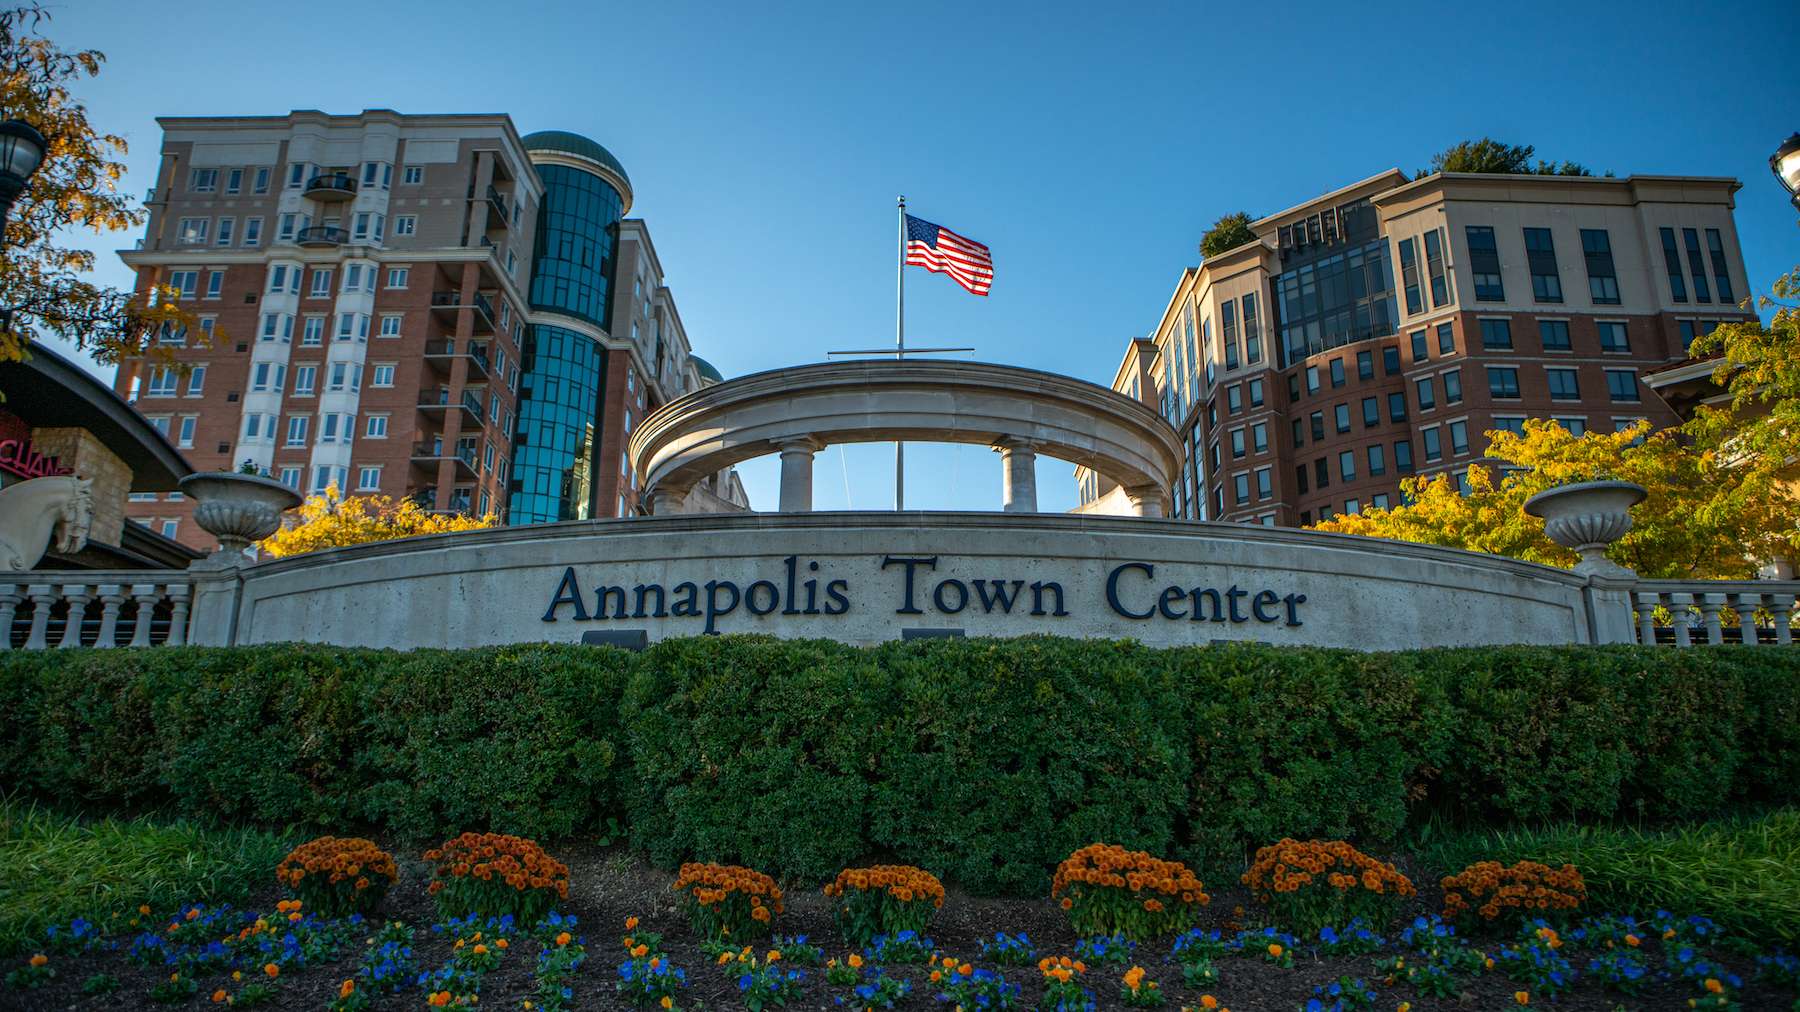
x: 867, y: 577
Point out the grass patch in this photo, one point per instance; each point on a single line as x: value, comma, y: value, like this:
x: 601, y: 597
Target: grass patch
x: 1743, y: 873
x: 54, y: 868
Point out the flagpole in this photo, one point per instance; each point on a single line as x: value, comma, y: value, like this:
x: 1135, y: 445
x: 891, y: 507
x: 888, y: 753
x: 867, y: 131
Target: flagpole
x: 900, y: 354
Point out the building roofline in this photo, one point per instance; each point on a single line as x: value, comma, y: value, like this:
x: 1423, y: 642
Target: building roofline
x: 1269, y: 220
x: 1513, y: 179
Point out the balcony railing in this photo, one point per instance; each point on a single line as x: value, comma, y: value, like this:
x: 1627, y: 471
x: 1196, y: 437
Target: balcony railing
x: 442, y: 399
x: 331, y: 187
x: 95, y: 609
x: 1689, y: 612
x: 441, y: 354
x: 502, y: 214
x: 483, y: 307
x: 321, y: 235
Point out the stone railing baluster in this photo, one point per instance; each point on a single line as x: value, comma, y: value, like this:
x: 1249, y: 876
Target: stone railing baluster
x: 112, y: 598
x: 10, y: 599
x: 1646, y: 609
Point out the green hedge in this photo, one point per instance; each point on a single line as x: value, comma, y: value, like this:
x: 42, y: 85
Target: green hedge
x: 985, y: 761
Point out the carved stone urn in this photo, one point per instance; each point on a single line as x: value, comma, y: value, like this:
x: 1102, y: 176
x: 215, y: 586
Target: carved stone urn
x: 238, y: 509
x: 1587, y: 517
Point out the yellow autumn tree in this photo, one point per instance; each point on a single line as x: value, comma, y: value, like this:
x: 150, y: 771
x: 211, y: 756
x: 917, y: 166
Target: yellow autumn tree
x: 1708, y: 515
x: 327, y: 521
x: 46, y: 284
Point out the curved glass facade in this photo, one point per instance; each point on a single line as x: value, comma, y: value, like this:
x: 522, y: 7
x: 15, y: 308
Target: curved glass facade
x: 572, y: 267
x: 554, y: 465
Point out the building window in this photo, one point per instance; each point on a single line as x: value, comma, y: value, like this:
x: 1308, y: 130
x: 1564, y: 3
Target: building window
x: 197, y: 381
x: 1427, y: 399
x: 1240, y: 487
x: 170, y: 527
x: 1371, y: 411
x: 162, y: 383
x: 1352, y: 506
x: 1365, y: 365
x: 203, y: 180
x: 1621, y: 384
x: 397, y: 277
x: 1564, y: 384
x: 227, y: 227
x: 1256, y: 392
x: 296, y: 430
x: 185, y: 439
x: 1434, y: 267
x: 1603, y: 279
x: 1715, y: 245
x: 184, y: 282
x: 368, y: 479
x: 1318, y: 425
x: 312, y: 334
x: 1299, y: 434
x: 215, y: 284
x: 1237, y: 443
x: 290, y: 476
x: 1434, y: 449
x: 1612, y: 336
x: 412, y: 175
x: 1252, y: 336
x: 1347, y: 466
x: 1484, y: 262
x: 383, y: 375
x: 1396, y: 407
x: 1419, y: 352
x: 1409, y: 276
x: 1390, y: 360
x: 1341, y: 415
x: 321, y: 283
x: 1459, y: 437
x: 1503, y: 381
x: 1403, y: 456
x: 1322, y: 473
x: 1446, y: 335
x: 1265, y: 488
x: 1337, y: 373
x: 1496, y: 335
x: 1377, y: 460
x: 1452, y: 386
x: 1312, y: 379
x: 1259, y: 437
x: 261, y: 185
x: 1554, y: 334
x: 1540, y: 257
x: 1300, y: 478
x: 375, y: 427
x: 1696, y: 267
x: 193, y: 231
x: 406, y: 224
x: 390, y: 324
x: 1234, y: 399
x: 285, y: 226
x: 1514, y: 424
x: 304, y: 377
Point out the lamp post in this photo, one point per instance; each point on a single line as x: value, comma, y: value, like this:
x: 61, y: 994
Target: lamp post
x: 21, y: 152
x: 1785, y: 163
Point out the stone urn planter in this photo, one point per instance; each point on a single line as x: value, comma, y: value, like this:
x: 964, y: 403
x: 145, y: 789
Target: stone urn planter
x: 1587, y: 517
x: 238, y: 509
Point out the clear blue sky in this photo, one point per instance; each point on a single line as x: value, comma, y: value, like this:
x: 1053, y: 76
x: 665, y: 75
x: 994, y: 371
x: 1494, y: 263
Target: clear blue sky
x: 1088, y: 145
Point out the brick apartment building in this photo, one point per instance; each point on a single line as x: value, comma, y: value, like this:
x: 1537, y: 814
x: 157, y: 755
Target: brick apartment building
x: 412, y: 305
x: 1378, y: 331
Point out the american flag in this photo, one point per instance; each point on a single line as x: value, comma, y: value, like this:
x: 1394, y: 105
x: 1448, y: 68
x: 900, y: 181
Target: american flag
x: 942, y: 251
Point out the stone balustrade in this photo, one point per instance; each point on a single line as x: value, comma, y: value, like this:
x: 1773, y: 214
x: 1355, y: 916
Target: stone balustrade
x: 1750, y: 612
x: 88, y: 608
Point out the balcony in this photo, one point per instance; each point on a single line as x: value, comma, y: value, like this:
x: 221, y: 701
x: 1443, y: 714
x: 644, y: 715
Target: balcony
x: 331, y: 187
x: 499, y: 214
x: 440, y: 356
x: 321, y: 235
x: 427, y: 457
x: 449, y: 304
x: 441, y: 402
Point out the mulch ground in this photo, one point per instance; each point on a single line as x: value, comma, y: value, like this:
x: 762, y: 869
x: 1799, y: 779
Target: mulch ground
x: 609, y: 885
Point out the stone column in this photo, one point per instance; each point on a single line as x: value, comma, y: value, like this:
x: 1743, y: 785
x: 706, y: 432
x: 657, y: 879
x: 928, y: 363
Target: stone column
x: 1018, y: 475
x: 1146, y: 500
x: 146, y: 595
x: 112, y: 598
x: 666, y: 503
x: 42, y: 597
x: 797, y: 475
x: 10, y: 599
x: 78, y: 597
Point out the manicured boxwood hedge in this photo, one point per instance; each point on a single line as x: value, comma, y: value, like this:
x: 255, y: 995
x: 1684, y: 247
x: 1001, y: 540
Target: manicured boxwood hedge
x: 986, y: 761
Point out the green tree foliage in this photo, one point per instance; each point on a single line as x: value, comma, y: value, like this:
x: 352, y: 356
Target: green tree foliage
x: 1492, y: 156
x: 1229, y: 232
x: 44, y: 282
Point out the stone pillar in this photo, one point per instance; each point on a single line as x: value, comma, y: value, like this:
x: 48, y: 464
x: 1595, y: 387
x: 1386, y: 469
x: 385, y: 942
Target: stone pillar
x: 217, y: 590
x: 797, y: 475
x: 1018, y: 476
x: 78, y: 597
x: 178, y: 617
x: 42, y: 597
x: 10, y: 599
x: 112, y: 598
x: 666, y: 503
x: 86, y: 457
x: 1146, y: 500
x: 146, y: 595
